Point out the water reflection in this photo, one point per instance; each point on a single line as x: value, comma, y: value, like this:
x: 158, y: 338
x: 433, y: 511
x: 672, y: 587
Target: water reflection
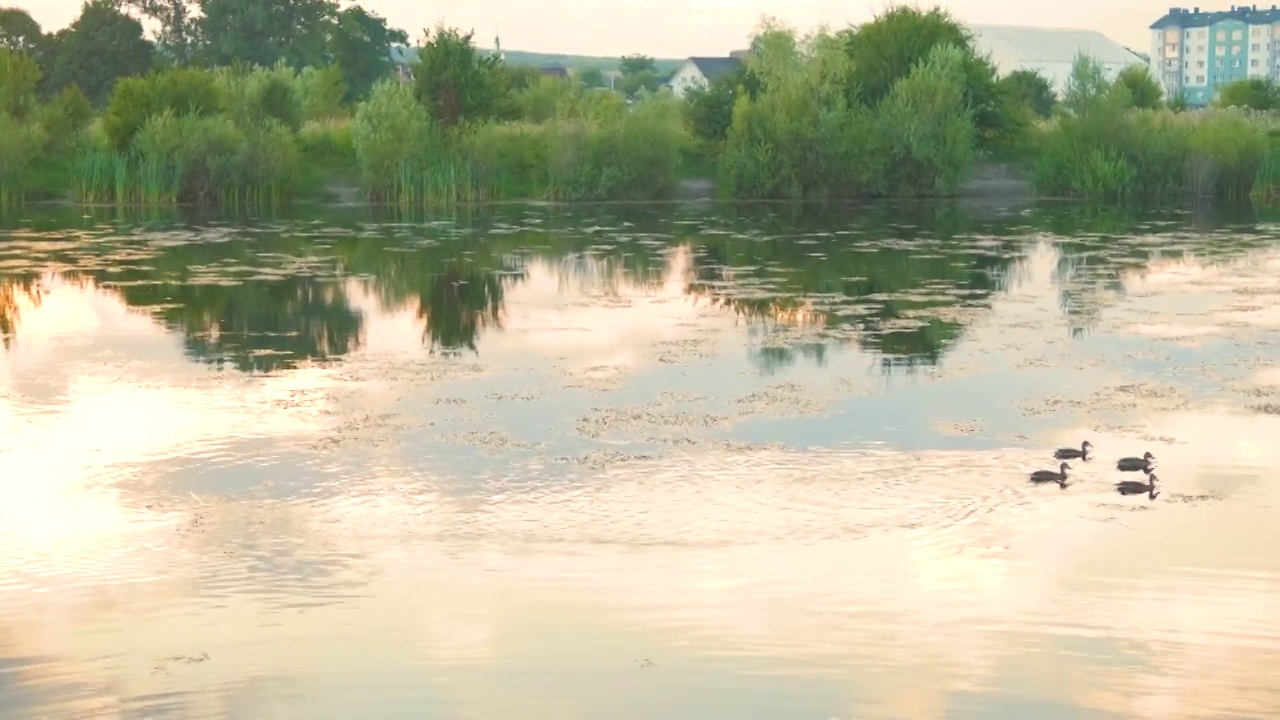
x: 571, y: 464
x: 269, y: 297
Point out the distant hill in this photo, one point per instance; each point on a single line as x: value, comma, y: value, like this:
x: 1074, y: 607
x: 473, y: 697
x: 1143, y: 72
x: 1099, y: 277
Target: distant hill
x: 665, y: 66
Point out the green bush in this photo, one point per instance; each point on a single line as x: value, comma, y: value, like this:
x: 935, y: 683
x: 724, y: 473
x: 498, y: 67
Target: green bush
x: 395, y: 141
x: 181, y: 91
x: 329, y: 143
x: 254, y: 95
x: 322, y: 92
x: 19, y: 77
x: 65, y: 117
x: 1102, y: 148
x: 798, y: 137
x: 19, y: 147
x: 929, y: 127
x: 193, y: 157
x: 267, y: 167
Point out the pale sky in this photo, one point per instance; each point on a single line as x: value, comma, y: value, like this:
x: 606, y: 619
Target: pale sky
x: 679, y: 28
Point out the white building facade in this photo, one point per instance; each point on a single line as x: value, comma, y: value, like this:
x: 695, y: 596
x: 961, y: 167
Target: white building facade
x: 1051, y: 52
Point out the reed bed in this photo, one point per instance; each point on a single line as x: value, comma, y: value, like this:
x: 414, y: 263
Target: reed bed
x: 1153, y: 154
x: 595, y: 151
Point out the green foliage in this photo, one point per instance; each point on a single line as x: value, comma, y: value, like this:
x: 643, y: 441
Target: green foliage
x: 1144, y: 90
x: 199, y: 159
x: 889, y: 48
x: 1104, y: 149
x: 19, y: 147
x: 610, y: 155
x: 182, y: 91
x: 884, y: 51
x: 323, y: 92
x: 928, y: 126
x: 1026, y: 88
x: 1251, y: 94
x: 177, y: 33
x: 394, y: 141
x: 709, y: 108
x: 19, y: 31
x: 593, y: 78
x: 1088, y: 88
x: 330, y: 150
x: 1266, y: 183
x: 587, y: 145
x: 360, y: 44
x: 64, y: 118
x: 455, y: 82
x: 798, y: 137
x: 639, y: 74
x: 266, y: 32
x: 545, y: 98
x: 254, y: 95
x: 636, y: 64
x: 101, y: 46
x: 19, y: 77
x: 521, y: 78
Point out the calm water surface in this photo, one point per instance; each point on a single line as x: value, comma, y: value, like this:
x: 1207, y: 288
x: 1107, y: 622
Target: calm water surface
x: 638, y: 463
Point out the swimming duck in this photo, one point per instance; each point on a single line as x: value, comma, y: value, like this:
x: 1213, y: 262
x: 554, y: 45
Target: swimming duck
x: 1133, y: 464
x: 1047, y: 476
x: 1068, y: 453
x: 1133, y: 487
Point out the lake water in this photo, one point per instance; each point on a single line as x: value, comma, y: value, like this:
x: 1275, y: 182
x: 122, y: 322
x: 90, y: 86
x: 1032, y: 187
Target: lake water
x: 676, y: 462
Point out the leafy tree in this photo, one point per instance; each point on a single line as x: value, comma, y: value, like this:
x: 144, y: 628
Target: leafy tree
x: 633, y: 83
x: 636, y: 64
x: 1087, y: 86
x: 1144, y: 91
x: 101, y: 46
x: 886, y: 49
x: 455, y: 81
x: 931, y: 131
x: 361, y: 45
x: 1253, y: 93
x: 1028, y: 88
x: 592, y: 78
x: 889, y: 48
x: 19, y: 77
x: 708, y: 110
x: 176, y: 38
x: 19, y: 31
x: 265, y: 32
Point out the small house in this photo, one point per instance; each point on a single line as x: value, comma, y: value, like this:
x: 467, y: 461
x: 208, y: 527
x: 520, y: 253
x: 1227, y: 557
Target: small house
x: 699, y: 71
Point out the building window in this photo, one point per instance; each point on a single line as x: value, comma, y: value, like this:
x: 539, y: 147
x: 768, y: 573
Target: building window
x: 1220, y: 50
x: 1255, y: 47
x: 1253, y: 63
x: 1199, y: 48
x: 1235, y: 63
x: 1200, y: 63
x: 1199, y: 79
x: 1222, y: 35
x: 1256, y: 32
x: 1237, y: 34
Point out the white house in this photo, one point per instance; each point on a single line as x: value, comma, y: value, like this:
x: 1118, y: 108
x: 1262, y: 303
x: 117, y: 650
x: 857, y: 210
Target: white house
x: 698, y: 71
x: 1051, y: 52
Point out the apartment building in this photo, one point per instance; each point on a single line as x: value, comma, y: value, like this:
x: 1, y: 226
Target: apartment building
x: 1194, y: 52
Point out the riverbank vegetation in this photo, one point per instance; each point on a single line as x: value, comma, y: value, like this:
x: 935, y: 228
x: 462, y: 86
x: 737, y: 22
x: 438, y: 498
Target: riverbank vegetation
x: 208, y: 112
